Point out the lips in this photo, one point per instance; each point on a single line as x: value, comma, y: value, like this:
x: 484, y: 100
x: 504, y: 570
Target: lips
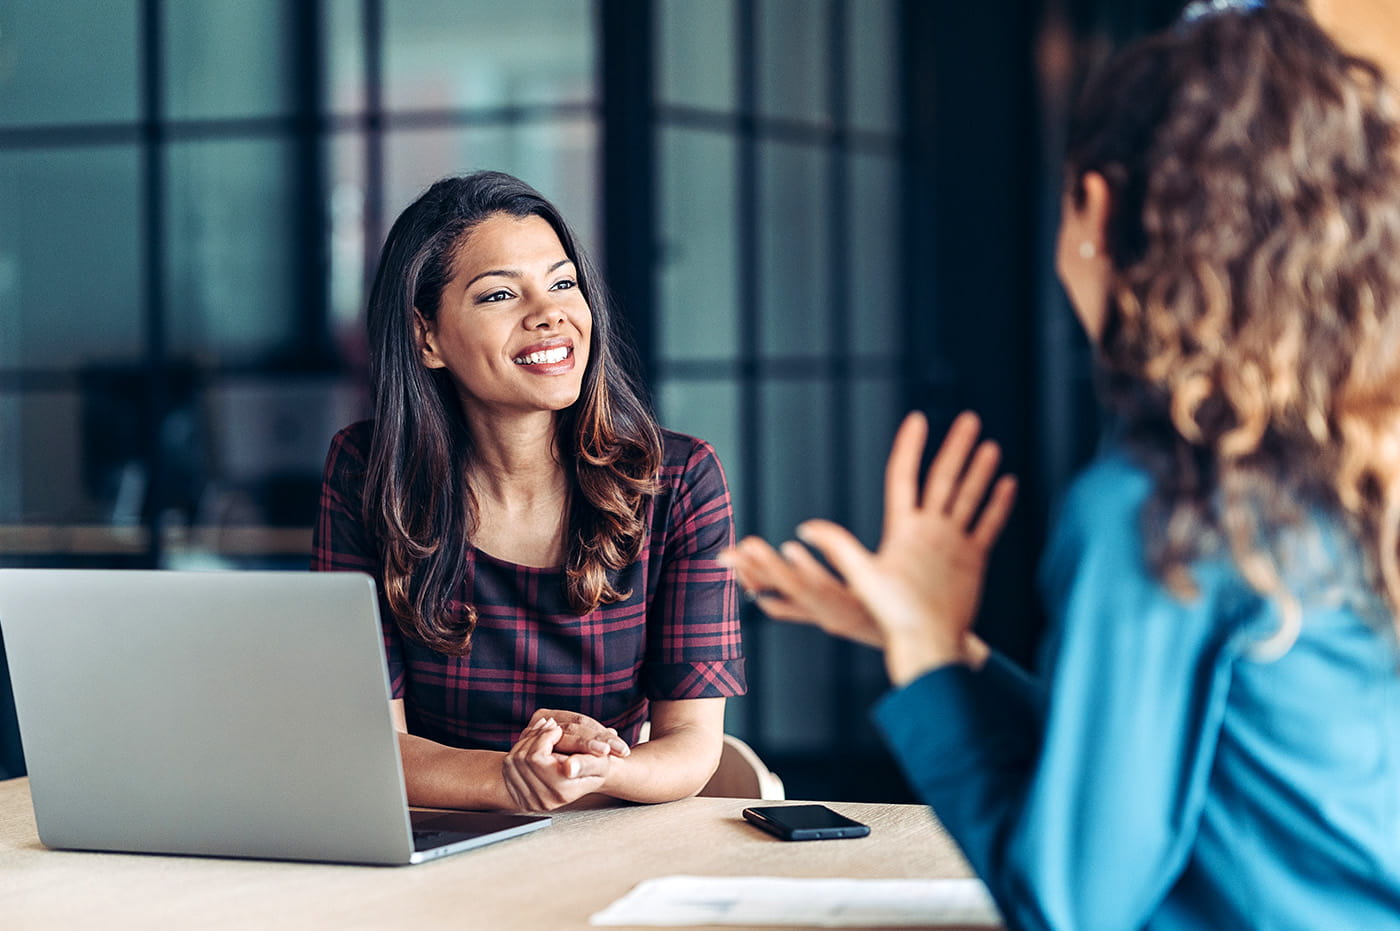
x: 548, y: 355
x: 544, y: 356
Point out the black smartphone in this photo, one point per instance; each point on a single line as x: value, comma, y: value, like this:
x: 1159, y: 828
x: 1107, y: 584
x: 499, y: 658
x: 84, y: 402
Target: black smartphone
x: 804, y: 822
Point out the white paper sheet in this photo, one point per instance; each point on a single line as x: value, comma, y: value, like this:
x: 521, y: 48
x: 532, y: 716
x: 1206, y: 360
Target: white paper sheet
x: 676, y: 901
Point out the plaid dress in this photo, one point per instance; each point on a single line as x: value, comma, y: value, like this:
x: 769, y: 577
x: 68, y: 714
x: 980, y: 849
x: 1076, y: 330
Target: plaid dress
x: 676, y: 637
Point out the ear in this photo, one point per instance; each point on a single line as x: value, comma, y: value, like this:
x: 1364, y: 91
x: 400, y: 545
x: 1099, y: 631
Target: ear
x: 427, y: 342
x: 1093, y: 210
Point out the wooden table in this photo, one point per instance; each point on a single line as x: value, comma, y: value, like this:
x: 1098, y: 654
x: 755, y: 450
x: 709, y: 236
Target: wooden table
x: 554, y: 878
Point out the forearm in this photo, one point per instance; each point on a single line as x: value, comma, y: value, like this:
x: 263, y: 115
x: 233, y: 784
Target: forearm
x: 669, y: 767
x: 438, y: 776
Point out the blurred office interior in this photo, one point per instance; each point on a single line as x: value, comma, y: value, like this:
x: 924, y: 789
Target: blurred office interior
x: 815, y: 215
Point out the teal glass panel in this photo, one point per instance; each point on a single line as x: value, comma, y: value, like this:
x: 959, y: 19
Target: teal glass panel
x: 796, y: 663
x: 343, y: 26
x: 351, y: 267
x: 709, y: 410
x: 228, y: 60
x: 698, y: 314
x: 793, y: 60
x: 232, y: 262
x: 875, y: 413
x: 796, y: 450
x: 872, y: 50
x: 70, y: 256
x: 51, y: 70
x: 445, y: 54
x: 695, y: 54
x: 556, y: 157
x: 794, y: 250
x: 876, y: 306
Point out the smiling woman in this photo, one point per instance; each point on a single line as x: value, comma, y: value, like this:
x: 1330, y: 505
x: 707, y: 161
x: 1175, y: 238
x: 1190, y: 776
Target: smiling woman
x: 513, y: 330
x: 546, y: 553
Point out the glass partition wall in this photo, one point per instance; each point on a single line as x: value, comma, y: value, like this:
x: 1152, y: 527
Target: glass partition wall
x: 777, y: 312
x: 193, y: 196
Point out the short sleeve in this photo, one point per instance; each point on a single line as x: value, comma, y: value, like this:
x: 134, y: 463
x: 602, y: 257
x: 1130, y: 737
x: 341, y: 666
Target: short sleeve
x: 693, y: 638
x: 341, y: 542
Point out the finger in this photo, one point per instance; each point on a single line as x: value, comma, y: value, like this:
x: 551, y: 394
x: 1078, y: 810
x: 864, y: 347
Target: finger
x: 537, y: 719
x: 902, y: 468
x: 522, y: 782
x: 769, y: 569
x: 585, y: 734
x: 536, y: 722
x: 582, y: 738
x: 767, y: 580
x: 948, y: 464
x: 584, y: 766
x: 994, y: 515
x: 805, y: 567
x: 755, y: 562
x: 840, y: 547
x: 615, y: 744
x: 971, y: 490
x: 538, y: 773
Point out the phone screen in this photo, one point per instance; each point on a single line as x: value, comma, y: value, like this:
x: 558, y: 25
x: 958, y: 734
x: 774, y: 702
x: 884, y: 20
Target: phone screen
x: 804, y: 822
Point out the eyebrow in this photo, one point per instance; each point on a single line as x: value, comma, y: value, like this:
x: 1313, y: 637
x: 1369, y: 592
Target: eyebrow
x: 515, y: 273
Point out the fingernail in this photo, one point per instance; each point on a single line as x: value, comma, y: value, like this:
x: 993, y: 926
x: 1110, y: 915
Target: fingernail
x: 573, y: 769
x: 725, y: 559
x: 802, y: 531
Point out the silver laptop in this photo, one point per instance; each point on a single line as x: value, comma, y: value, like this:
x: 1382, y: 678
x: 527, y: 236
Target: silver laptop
x: 241, y: 714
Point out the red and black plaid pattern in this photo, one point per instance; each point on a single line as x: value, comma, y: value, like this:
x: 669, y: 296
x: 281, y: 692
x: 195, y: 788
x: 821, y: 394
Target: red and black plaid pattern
x: 676, y: 637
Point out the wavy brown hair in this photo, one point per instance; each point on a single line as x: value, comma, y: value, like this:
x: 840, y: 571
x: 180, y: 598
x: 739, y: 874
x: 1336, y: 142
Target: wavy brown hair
x: 417, y: 497
x: 1252, y: 347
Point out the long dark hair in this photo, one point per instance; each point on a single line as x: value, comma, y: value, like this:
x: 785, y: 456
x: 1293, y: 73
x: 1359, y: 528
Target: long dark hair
x: 1252, y: 344
x: 417, y: 497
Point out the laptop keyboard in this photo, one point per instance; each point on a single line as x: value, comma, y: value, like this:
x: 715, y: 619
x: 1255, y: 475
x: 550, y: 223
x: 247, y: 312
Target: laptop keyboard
x: 423, y: 839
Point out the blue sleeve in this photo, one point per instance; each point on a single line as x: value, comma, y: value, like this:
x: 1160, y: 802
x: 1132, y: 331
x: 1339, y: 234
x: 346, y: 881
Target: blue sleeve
x: 1088, y: 822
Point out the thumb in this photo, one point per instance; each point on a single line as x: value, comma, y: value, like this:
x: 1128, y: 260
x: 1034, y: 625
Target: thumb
x: 847, y: 555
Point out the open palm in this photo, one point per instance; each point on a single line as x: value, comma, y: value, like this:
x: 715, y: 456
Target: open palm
x: 923, y: 585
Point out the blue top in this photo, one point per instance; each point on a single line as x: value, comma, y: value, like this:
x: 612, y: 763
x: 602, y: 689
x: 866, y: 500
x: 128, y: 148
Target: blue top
x: 1166, y: 776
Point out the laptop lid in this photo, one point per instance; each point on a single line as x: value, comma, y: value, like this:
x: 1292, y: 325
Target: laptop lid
x: 218, y: 713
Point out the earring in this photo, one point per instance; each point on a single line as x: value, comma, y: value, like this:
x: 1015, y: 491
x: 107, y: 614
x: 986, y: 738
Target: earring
x: 1087, y: 250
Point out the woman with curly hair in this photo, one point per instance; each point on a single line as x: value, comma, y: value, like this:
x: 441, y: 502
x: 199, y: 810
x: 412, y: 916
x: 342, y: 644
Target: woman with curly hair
x: 1214, y: 740
x: 546, y: 554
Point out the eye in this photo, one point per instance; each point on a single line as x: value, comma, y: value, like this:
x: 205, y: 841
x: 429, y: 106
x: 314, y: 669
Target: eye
x: 563, y: 284
x: 493, y: 297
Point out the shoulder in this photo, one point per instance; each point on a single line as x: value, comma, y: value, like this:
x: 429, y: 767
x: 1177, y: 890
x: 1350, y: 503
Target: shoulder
x: 1106, y: 498
x: 1097, y: 530
x: 694, y: 495
x: 686, y: 460
x: 349, y: 448
x: 1096, y: 577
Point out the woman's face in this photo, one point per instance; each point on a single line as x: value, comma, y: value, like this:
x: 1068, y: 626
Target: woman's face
x: 512, y: 327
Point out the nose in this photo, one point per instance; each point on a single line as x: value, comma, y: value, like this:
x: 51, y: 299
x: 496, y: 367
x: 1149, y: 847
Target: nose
x: 544, y: 316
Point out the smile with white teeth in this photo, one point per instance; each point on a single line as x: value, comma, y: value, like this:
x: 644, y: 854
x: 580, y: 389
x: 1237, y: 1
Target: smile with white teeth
x: 544, y: 356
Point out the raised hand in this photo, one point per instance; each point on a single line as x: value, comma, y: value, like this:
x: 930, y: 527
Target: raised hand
x: 922, y: 587
x: 794, y: 586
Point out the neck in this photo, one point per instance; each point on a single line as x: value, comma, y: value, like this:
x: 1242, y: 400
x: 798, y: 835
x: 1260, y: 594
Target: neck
x: 517, y: 463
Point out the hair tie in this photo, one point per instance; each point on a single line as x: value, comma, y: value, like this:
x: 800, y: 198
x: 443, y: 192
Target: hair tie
x: 1202, y: 9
